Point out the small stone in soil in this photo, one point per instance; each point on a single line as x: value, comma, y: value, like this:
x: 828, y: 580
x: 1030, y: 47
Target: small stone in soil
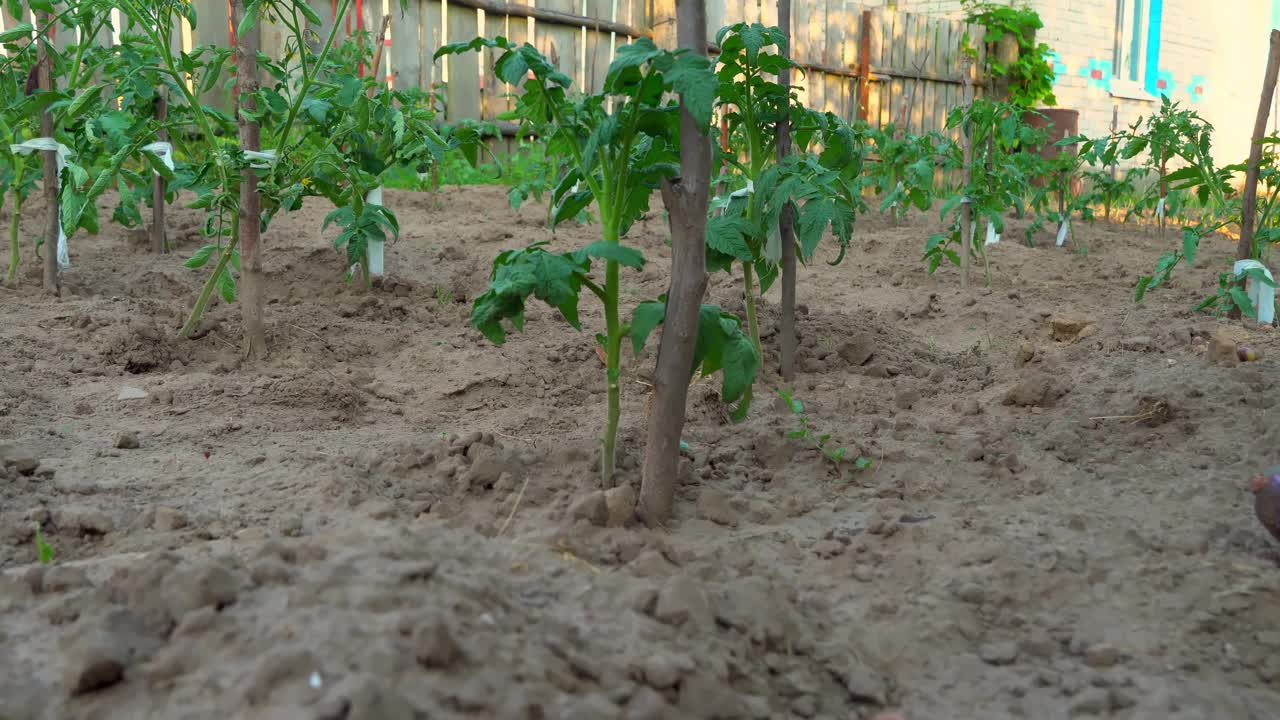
x: 435, y: 646
x: 621, y: 505
x: 84, y: 518
x: 127, y: 440
x: 97, y: 655
x: 592, y: 507
x: 999, y: 653
x: 168, y: 519
x: 19, y: 458
x: 128, y: 392
x: 713, y: 505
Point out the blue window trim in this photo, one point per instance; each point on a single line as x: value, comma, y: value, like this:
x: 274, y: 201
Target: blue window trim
x: 1151, y: 74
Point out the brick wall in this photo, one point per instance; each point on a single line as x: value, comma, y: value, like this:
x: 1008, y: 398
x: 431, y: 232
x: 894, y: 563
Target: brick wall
x: 1219, y: 48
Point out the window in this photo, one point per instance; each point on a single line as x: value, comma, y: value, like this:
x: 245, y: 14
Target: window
x: 1136, y: 55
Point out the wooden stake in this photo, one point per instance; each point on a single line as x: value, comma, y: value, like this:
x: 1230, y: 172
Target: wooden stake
x: 159, y: 243
x: 686, y: 198
x: 864, y: 68
x: 250, y: 224
x: 1249, y: 204
x: 966, y: 139
x: 53, y: 226
x: 377, y: 52
x: 787, y: 324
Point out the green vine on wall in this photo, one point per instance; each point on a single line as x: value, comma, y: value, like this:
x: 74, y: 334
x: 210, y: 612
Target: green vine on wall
x: 1030, y: 77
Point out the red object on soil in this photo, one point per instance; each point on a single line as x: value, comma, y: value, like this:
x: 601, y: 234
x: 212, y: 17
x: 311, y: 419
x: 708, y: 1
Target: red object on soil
x: 1266, y: 500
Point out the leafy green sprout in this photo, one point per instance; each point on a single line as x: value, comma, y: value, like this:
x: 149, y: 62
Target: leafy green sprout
x: 819, y: 441
x: 44, y: 551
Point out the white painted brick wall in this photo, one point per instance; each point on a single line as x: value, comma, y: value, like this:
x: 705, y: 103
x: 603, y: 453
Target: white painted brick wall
x: 1224, y: 41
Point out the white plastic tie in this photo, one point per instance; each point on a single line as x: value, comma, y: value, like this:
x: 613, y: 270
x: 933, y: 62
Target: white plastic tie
x: 260, y: 159
x: 1262, y: 295
x: 1064, y: 228
x: 162, y: 150
x: 376, y: 248
x: 748, y: 190
x: 993, y: 237
x: 1160, y: 209
x: 45, y: 144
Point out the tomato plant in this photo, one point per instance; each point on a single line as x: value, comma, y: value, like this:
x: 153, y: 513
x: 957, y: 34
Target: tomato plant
x: 613, y: 149
x: 902, y: 173
x: 1001, y: 177
x: 18, y: 124
x: 753, y: 103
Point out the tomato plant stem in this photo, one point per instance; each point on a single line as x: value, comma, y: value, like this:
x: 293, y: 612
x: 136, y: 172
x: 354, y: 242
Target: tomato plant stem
x: 613, y: 357
x: 14, y: 255
x: 206, y: 292
x: 749, y: 291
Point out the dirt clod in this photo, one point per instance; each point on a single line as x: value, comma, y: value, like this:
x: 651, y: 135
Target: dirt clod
x: 592, y: 507
x: 434, y: 645
x: 83, y: 518
x: 99, y: 649
x: 126, y: 440
x: 621, y: 505
x: 1070, y: 328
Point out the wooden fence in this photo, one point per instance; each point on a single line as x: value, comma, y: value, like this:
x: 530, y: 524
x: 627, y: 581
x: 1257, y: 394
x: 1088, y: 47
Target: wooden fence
x: 877, y: 64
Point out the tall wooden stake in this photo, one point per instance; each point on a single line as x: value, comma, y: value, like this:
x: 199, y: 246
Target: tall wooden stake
x: 52, y: 274
x: 250, y: 225
x: 1249, y: 203
x: 787, y: 326
x: 686, y: 199
x: 377, y: 53
x: 159, y: 243
x: 864, y: 67
x: 966, y: 138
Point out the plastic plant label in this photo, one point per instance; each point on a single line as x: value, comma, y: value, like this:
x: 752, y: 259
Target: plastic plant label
x: 749, y: 189
x: 376, y: 247
x: 1064, y: 229
x: 1262, y: 295
x: 993, y: 237
x: 162, y: 150
x: 44, y: 144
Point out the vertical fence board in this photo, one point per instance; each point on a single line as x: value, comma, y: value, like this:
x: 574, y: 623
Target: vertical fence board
x: 406, y: 47
x: 560, y: 43
x: 769, y: 13
x: 800, y: 50
x: 463, y: 88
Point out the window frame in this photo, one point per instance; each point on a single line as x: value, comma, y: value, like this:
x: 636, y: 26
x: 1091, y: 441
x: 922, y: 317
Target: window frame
x: 1129, y: 64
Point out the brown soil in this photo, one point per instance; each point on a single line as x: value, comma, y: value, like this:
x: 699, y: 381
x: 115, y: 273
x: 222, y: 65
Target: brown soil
x: 390, y: 518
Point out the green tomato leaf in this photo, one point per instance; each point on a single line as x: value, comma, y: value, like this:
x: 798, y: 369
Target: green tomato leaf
x: 1242, y: 301
x: 571, y: 206
x: 727, y: 235
x: 691, y: 76
x: 517, y: 274
x: 621, y: 254
x: 647, y: 316
x: 227, y: 286
x: 17, y: 32
x: 1190, y: 244
x: 201, y: 256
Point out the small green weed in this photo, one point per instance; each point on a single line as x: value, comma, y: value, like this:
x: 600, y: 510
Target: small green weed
x: 43, y: 549
x: 803, y: 431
